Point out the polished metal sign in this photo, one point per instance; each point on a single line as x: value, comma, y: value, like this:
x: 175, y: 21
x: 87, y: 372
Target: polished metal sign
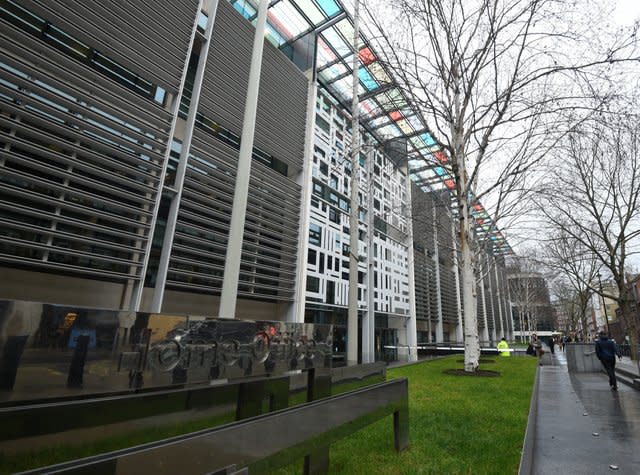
x: 49, y: 351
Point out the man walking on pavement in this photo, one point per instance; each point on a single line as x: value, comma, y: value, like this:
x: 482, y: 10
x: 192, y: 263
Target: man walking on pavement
x: 606, y: 351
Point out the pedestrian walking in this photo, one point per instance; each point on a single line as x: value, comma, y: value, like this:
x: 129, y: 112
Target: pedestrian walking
x: 537, y: 346
x: 552, y: 345
x: 606, y: 351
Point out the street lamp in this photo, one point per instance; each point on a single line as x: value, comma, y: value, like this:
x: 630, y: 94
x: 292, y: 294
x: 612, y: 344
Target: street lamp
x: 604, y: 305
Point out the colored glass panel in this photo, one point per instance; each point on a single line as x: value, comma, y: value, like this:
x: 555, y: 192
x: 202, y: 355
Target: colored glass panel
x: 366, y: 56
x: 369, y: 83
x: 398, y: 100
x: 379, y: 122
x: 440, y: 171
x: 416, y: 142
x: 274, y: 36
x: 389, y: 131
x: 333, y: 71
x: 346, y: 29
x: 395, y: 115
x: 404, y: 126
x: 441, y: 157
x: 287, y: 19
x: 246, y: 9
x: 325, y: 54
x: 450, y: 184
x: 415, y: 121
x: 329, y: 7
x: 379, y: 73
x: 428, y: 140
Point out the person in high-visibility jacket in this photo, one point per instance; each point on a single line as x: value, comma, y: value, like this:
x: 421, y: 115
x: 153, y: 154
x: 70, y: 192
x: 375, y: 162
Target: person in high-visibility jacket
x: 503, y: 348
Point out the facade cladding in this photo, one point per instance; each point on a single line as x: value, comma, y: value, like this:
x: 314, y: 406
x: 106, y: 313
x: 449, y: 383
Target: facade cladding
x: 95, y: 167
x: 120, y: 130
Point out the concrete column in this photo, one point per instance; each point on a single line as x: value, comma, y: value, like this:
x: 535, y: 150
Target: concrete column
x: 229, y: 294
x: 352, y: 317
x: 501, y: 331
x: 368, y: 319
x: 483, y: 302
x: 436, y: 259
x: 412, y: 331
x: 459, y: 325
x: 295, y: 312
x: 158, y: 293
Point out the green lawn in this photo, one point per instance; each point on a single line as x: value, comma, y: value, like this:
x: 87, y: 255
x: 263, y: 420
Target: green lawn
x: 458, y: 425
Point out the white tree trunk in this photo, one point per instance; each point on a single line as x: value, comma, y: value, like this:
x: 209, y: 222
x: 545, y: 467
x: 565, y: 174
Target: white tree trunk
x: 471, y: 341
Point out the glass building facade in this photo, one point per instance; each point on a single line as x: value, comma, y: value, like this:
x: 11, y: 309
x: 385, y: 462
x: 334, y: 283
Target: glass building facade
x: 120, y: 131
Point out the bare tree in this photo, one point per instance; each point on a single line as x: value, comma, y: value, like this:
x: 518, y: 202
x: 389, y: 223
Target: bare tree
x: 578, y: 267
x: 490, y: 77
x: 594, y: 199
x: 568, y: 304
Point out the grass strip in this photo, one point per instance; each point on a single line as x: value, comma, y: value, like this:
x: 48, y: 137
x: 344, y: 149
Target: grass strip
x: 458, y: 425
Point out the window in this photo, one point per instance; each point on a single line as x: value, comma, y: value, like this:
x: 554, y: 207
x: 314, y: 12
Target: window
x: 331, y: 291
x: 311, y: 257
x: 321, y: 263
x: 334, y: 215
x: 322, y: 124
x: 315, y: 234
x: 313, y: 284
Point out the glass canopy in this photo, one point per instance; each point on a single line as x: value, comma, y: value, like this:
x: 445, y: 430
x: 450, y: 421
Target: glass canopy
x: 385, y: 112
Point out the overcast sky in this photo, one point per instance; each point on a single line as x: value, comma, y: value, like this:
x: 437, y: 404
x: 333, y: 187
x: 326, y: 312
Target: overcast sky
x: 627, y: 11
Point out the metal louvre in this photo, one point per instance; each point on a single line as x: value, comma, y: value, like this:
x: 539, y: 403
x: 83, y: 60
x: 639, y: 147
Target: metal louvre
x: 226, y: 77
x: 268, y: 262
x: 421, y: 286
x: 281, y: 113
x: 448, y: 295
x: 147, y: 37
x: 79, y: 166
x: 495, y: 300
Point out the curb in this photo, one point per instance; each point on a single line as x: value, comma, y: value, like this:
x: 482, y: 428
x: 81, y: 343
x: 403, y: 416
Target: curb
x: 526, y: 459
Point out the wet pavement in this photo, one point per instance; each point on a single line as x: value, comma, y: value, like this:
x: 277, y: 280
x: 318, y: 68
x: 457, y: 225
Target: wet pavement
x: 582, y: 426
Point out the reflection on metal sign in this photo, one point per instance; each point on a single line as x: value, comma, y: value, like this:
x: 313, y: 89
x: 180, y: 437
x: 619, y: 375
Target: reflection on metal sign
x: 127, y: 350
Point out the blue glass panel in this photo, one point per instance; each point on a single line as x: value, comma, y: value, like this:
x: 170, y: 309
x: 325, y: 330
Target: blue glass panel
x: 329, y: 7
x: 245, y: 9
x: 428, y: 140
x: 440, y: 171
x: 369, y: 83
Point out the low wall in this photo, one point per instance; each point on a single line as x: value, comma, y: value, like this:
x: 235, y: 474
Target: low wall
x: 581, y: 358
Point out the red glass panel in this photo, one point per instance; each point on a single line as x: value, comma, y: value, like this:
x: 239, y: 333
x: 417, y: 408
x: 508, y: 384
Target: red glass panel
x: 366, y: 56
x: 395, y: 115
x: 442, y: 158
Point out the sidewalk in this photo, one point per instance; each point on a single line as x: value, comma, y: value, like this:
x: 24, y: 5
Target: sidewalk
x: 581, y: 426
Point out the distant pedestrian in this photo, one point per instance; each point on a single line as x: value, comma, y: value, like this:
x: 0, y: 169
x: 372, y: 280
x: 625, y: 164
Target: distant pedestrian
x: 607, y: 350
x: 537, y: 346
x: 552, y: 345
x: 503, y: 347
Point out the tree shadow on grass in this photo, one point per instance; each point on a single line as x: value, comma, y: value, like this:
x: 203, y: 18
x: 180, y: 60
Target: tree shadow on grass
x: 480, y: 361
x: 479, y: 372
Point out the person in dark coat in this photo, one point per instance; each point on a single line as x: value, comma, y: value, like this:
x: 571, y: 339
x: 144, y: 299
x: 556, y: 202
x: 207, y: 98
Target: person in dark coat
x: 606, y: 351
